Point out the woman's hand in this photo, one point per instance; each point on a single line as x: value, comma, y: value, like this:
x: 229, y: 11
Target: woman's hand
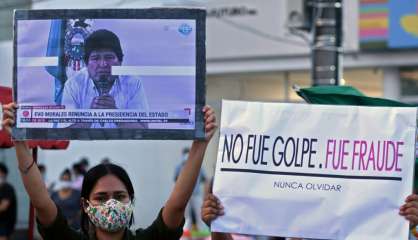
x: 210, y: 122
x: 410, y: 209
x: 9, y: 119
x: 211, y: 209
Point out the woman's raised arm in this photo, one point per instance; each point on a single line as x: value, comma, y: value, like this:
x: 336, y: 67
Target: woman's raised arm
x: 173, y: 212
x: 31, y: 177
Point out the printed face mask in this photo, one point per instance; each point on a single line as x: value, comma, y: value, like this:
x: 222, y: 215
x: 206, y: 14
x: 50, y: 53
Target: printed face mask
x: 111, y: 216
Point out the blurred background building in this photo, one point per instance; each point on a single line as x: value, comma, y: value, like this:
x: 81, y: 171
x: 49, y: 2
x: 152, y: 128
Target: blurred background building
x: 253, y: 53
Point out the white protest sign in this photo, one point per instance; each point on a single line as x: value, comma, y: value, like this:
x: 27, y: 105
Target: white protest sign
x: 314, y: 171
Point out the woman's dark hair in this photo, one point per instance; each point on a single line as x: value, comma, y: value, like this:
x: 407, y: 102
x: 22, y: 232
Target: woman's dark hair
x: 90, y: 180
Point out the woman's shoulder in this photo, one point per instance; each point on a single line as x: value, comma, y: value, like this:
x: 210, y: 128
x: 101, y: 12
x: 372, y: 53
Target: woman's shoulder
x: 60, y: 228
x: 157, y: 230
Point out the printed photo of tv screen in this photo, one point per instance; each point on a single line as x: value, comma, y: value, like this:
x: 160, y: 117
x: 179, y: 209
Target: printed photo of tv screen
x: 109, y: 73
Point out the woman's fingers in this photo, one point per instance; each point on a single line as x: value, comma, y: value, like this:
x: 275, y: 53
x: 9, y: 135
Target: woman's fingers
x: 10, y: 106
x: 8, y: 118
x: 8, y: 114
x: 211, y: 209
x: 7, y: 124
x: 210, y: 121
x: 410, y: 209
x: 413, y: 219
x: 411, y: 198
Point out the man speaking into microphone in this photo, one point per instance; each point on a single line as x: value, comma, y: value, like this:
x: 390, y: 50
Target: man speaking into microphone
x: 94, y: 87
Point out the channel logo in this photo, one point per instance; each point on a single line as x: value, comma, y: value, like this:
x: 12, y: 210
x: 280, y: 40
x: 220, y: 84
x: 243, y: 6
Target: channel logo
x: 185, y: 29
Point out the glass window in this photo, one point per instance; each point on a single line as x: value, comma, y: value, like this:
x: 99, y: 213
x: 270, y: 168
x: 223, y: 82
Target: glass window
x: 247, y: 87
x: 368, y: 81
x: 278, y: 87
x: 409, y: 81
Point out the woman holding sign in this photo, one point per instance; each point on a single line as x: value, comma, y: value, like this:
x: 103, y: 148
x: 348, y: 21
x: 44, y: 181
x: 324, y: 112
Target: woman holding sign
x: 107, y: 195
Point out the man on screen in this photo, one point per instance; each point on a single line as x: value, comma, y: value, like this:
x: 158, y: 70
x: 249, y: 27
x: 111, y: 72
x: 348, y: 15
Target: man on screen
x: 94, y: 87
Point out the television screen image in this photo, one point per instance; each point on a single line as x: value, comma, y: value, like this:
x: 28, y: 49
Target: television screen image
x: 109, y: 73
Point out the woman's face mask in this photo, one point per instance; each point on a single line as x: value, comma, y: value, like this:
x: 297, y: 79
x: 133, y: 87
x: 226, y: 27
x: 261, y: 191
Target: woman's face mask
x: 111, y: 216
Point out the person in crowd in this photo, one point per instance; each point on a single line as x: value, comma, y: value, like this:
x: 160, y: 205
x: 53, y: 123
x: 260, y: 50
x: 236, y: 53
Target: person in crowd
x: 106, y: 160
x: 7, y: 205
x: 49, y: 185
x: 85, y: 164
x: 107, y: 195
x: 67, y: 199
x: 78, y: 173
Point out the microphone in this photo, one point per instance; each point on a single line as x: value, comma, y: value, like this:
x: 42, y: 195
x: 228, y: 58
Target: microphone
x: 103, y: 86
